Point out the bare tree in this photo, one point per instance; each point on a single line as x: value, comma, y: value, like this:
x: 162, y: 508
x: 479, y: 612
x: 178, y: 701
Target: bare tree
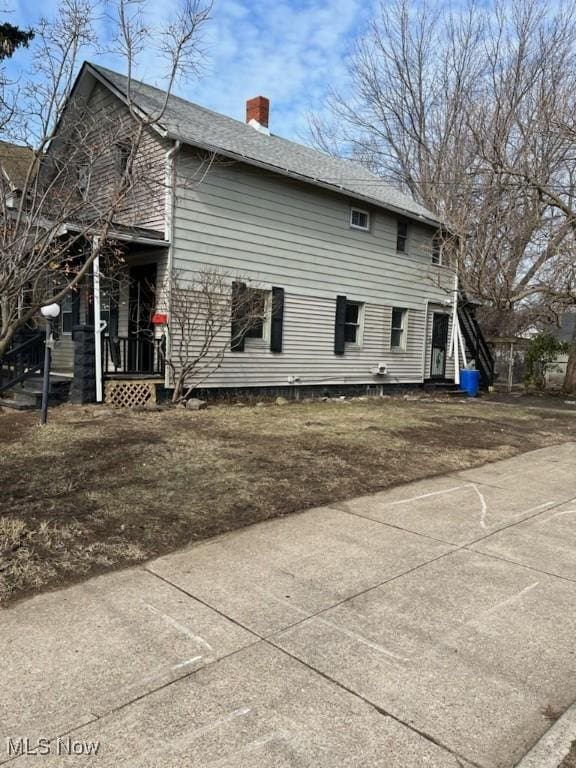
x: 210, y: 313
x: 55, y: 225
x: 470, y: 110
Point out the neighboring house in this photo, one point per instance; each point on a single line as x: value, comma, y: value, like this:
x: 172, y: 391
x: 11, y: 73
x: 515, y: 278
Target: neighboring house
x: 566, y: 333
x: 367, y: 300
x: 15, y: 162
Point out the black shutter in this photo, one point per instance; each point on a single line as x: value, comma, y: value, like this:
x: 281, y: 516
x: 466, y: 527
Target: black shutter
x: 238, y: 324
x: 340, y: 327
x: 277, y: 324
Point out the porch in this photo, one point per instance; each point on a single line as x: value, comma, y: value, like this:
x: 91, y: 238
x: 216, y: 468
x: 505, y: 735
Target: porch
x: 120, y: 301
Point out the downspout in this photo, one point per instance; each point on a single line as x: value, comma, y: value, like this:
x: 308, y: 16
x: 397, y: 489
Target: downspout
x: 456, y: 332
x: 425, y: 345
x: 97, y: 320
x: 169, y: 212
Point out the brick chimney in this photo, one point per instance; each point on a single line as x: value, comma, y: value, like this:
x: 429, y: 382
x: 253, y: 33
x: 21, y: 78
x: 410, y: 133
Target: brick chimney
x: 257, y: 113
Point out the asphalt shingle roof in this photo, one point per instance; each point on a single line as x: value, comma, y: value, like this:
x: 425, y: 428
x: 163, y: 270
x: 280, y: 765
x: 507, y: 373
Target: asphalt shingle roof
x: 15, y: 161
x: 198, y: 126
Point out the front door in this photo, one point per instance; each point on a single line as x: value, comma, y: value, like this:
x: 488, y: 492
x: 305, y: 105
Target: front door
x: 141, y: 303
x: 440, y: 322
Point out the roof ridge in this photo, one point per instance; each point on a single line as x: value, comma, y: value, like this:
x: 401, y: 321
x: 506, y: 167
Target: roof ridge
x: 236, y: 121
x: 199, y: 126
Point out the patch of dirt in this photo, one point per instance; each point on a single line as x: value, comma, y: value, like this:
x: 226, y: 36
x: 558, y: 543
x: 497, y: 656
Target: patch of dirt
x: 14, y: 424
x: 84, y: 495
x: 556, y: 401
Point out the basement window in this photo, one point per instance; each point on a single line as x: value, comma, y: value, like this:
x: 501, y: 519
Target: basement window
x: 359, y: 219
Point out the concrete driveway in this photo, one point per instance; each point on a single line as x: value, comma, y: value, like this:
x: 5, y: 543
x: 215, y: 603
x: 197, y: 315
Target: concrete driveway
x: 432, y: 625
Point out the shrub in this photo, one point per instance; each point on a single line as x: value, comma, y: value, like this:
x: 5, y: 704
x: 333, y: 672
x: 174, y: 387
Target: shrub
x: 541, y: 355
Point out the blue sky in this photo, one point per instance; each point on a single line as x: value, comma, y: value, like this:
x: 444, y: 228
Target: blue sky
x: 289, y: 50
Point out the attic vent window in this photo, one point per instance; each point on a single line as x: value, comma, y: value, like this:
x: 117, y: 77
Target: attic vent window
x: 437, y: 250
x: 359, y: 219
x: 123, y: 152
x: 83, y: 179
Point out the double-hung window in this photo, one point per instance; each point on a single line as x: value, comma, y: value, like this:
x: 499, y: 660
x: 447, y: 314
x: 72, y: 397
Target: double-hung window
x: 348, y: 325
x: 401, y: 235
x: 352, y: 322
x: 398, y: 331
x: 67, y: 313
x: 256, y: 314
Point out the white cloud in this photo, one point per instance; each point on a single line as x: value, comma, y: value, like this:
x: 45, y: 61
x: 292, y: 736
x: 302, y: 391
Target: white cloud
x: 288, y: 50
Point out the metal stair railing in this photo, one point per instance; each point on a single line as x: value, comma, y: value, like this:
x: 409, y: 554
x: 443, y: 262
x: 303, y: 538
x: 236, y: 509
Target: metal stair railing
x: 22, y: 361
x: 476, y: 343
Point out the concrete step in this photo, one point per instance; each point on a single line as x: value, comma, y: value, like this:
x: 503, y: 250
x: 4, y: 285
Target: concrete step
x: 28, y: 394
x: 6, y: 402
x: 35, y: 383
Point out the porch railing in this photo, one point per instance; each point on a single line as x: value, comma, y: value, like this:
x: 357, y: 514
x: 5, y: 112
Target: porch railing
x: 22, y: 360
x: 130, y: 355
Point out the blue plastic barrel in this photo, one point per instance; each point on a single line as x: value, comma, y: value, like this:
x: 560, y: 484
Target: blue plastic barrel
x: 470, y: 382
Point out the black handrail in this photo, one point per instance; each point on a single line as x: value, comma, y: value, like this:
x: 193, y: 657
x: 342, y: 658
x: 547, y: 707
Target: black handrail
x: 22, y: 360
x: 133, y: 355
x: 476, y: 343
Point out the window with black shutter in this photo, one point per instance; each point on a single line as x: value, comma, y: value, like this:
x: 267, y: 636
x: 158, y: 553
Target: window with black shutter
x: 352, y: 322
x: 348, y: 324
x: 252, y: 316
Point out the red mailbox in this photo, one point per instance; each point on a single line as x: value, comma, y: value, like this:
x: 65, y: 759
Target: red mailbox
x: 159, y: 318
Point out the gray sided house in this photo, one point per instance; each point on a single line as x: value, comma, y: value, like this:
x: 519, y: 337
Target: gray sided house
x: 363, y: 296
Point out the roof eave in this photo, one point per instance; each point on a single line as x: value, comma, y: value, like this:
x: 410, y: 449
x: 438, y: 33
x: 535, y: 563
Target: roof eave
x: 114, y: 234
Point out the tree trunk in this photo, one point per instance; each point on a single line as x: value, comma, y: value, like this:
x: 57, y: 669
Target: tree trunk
x: 178, y: 388
x: 570, y: 377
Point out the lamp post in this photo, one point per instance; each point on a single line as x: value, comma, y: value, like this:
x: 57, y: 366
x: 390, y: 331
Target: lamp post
x: 50, y: 313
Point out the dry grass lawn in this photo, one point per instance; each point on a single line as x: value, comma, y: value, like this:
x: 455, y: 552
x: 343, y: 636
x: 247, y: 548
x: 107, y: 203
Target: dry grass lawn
x: 96, y: 490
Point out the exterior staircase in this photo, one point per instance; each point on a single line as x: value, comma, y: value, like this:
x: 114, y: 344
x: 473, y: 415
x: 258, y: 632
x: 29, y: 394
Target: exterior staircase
x: 27, y: 394
x: 21, y: 373
x: 477, y: 347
